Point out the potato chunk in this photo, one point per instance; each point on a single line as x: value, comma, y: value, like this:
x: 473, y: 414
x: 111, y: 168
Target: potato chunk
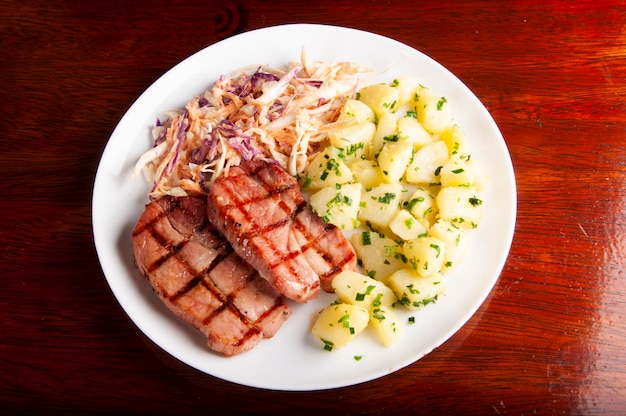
x: 410, y: 129
x: 422, y: 205
x: 415, y: 291
x: 379, y: 204
x: 426, y: 163
x: 338, y: 205
x: 457, y: 172
x: 380, y: 97
x: 358, y: 289
x: 367, y: 173
x: 353, y: 140
x: 406, y: 226
x: 393, y: 159
x: 460, y: 205
x: 425, y: 254
x: 355, y: 111
x: 455, y: 239
x: 339, y: 323
x: 327, y: 169
x: 378, y: 254
x: 433, y: 111
x: 385, y: 129
x: 386, y: 324
x: 407, y: 86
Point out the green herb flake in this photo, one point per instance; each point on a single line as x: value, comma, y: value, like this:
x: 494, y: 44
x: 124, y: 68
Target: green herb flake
x: 345, y: 320
x: 378, y: 314
x: 413, y: 290
x: 387, y: 198
x: 441, y: 102
x: 377, y: 301
x: 328, y: 345
x: 436, y: 248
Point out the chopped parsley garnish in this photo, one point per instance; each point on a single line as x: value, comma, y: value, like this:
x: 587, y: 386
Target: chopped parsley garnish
x: 328, y: 345
x: 441, y: 102
x: 387, y: 198
x: 366, y: 238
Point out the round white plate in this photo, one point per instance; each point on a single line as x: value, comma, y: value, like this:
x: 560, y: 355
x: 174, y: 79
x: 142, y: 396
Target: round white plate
x: 293, y: 360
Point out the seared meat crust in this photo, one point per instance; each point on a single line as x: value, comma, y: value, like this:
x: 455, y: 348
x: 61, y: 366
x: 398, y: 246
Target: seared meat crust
x: 261, y: 211
x: 195, y: 272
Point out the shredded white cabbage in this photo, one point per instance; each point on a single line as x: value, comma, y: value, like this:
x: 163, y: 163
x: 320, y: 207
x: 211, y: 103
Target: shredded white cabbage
x: 281, y: 114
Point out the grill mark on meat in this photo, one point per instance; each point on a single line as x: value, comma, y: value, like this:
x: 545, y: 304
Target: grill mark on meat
x: 270, y: 193
x: 235, y: 308
x: 257, y: 204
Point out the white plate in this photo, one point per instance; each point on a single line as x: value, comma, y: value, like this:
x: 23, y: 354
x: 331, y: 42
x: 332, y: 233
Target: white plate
x: 292, y: 360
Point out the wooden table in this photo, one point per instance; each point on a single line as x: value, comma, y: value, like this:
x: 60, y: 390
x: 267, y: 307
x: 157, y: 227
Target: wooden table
x: 549, y: 338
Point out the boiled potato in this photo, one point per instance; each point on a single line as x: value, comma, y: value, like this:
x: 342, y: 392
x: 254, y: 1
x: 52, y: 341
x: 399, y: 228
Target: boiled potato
x: 460, y: 205
x: 378, y: 254
x: 339, y: 323
x: 355, y: 111
x: 367, y: 173
x: 415, y: 291
x: 433, y: 111
x: 410, y: 129
x: 379, y: 97
x: 455, y: 239
x: 425, y: 254
x: 457, y: 172
x: 327, y: 169
x: 406, y: 85
x: 406, y: 226
x: 385, y: 130
x: 358, y: 289
x: 354, y: 140
x: 393, y: 159
x: 338, y: 205
x: 386, y: 324
x: 380, y: 203
x: 422, y: 205
x: 454, y: 138
x: 426, y: 163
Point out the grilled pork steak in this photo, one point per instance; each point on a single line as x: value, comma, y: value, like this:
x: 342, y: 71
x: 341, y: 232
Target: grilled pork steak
x: 260, y: 210
x: 195, y: 272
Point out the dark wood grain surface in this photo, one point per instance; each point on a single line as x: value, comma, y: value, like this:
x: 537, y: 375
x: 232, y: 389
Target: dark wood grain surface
x: 550, y: 337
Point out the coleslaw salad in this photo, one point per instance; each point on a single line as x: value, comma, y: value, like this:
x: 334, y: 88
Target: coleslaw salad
x: 278, y: 114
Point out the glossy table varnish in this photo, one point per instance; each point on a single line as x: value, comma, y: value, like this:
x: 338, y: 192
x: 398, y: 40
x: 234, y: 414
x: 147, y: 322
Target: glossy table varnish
x: 548, y: 340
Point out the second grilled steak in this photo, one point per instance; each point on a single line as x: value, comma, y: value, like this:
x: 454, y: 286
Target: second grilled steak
x: 260, y: 210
